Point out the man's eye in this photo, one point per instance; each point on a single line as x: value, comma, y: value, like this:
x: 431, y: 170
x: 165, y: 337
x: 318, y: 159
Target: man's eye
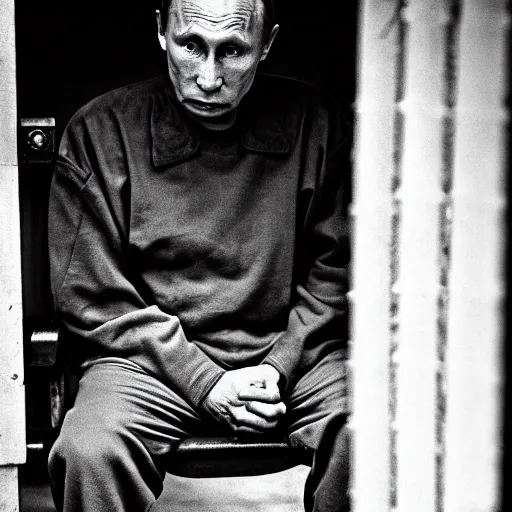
x: 192, y: 47
x: 231, y: 51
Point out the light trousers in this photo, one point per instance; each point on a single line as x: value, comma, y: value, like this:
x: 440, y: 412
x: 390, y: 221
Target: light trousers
x: 114, y: 444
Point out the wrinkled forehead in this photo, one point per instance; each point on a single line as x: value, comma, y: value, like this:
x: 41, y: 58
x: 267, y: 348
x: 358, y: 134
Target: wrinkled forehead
x: 242, y: 16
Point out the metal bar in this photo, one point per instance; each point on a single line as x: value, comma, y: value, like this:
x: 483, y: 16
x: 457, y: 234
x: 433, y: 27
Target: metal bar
x: 475, y: 328
x: 37, y: 121
x: 372, y: 210
x: 35, y: 447
x: 418, y: 287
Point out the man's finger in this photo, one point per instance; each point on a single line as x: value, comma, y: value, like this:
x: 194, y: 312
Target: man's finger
x: 270, y: 412
x: 244, y: 418
x: 269, y: 394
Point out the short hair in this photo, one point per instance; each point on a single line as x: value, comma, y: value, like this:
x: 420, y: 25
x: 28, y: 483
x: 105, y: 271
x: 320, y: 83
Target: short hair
x: 269, y: 15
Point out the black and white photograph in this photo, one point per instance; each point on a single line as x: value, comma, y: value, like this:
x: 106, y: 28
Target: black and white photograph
x: 253, y: 255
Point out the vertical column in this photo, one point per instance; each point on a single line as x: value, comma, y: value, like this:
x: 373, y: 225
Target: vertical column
x: 370, y: 329
x: 476, y: 311
x: 418, y: 256
x: 12, y: 422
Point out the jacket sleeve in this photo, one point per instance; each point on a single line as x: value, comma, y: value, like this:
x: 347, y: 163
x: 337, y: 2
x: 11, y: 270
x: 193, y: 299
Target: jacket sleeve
x: 95, y: 294
x: 318, y: 320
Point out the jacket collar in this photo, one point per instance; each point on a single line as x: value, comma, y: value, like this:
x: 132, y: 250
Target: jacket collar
x: 175, y: 139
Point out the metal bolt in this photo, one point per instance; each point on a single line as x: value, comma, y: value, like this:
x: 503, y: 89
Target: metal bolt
x: 37, y: 139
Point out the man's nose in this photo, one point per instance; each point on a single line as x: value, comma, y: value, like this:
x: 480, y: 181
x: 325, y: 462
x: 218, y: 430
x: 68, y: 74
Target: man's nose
x: 209, y: 79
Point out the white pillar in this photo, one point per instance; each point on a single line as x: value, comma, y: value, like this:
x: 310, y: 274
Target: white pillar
x: 12, y: 417
x: 420, y: 196
x: 371, y: 259
x: 475, y: 349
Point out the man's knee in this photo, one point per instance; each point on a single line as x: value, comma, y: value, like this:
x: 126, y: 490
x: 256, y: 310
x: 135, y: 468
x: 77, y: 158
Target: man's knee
x: 102, y: 460
x: 87, y: 442
x: 82, y: 447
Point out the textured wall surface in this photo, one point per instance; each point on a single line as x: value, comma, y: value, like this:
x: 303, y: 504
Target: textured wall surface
x: 12, y: 424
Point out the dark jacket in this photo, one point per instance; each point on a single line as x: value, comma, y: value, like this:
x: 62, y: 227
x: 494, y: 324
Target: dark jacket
x: 191, y: 252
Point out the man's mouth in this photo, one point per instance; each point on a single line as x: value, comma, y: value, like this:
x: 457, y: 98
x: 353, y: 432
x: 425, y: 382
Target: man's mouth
x: 206, y: 106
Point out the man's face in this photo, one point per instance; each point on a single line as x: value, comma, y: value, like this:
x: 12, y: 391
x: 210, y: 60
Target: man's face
x: 213, y: 50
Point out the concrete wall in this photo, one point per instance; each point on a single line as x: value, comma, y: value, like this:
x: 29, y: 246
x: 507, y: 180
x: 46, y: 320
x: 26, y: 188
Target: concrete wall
x: 12, y: 420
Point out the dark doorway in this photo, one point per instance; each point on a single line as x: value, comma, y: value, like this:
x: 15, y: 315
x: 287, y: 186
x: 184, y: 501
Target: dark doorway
x: 68, y: 53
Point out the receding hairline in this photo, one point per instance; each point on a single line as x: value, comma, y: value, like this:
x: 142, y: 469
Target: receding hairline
x: 249, y: 13
x: 249, y: 4
x: 265, y: 9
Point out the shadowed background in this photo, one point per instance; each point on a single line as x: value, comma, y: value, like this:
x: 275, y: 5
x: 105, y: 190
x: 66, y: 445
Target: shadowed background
x: 69, y: 53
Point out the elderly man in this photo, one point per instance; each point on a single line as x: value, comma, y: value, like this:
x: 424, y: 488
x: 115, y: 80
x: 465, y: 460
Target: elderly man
x: 198, y: 247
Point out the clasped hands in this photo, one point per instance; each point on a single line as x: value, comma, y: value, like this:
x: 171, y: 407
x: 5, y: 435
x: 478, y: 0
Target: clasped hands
x: 247, y: 400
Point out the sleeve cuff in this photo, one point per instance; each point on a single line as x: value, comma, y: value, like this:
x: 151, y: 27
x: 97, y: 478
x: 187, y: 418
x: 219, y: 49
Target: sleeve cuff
x: 202, y: 383
x: 285, y: 377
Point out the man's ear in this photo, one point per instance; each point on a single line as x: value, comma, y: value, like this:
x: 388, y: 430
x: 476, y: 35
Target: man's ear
x: 161, y: 33
x: 268, y: 44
